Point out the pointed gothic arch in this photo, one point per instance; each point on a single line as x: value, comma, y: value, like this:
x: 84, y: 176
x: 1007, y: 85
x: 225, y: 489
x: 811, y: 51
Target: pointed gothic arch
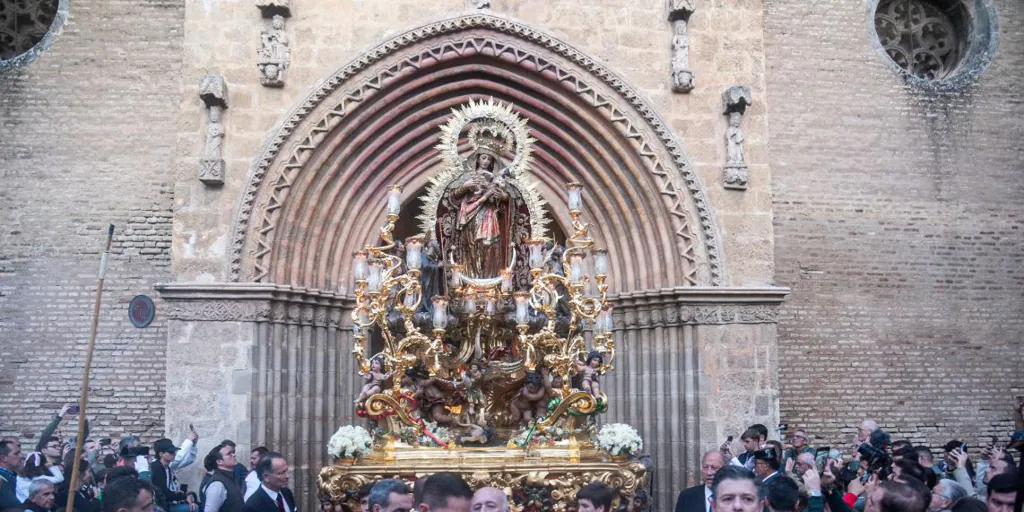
x: 316, y: 190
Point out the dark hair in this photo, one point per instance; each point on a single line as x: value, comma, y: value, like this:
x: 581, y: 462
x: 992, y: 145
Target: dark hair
x: 6, y: 448
x: 266, y: 463
x: 109, y: 460
x: 210, y: 461
x: 534, y: 378
x: 227, y: 442
x: 924, y: 451
x: 364, y: 491
x: 417, y: 491
x: 969, y: 505
x: 952, y: 445
x: 380, y: 493
x: 782, y: 494
x: 47, y: 440
x: 761, y: 430
x: 34, y: 466
x: 121, y: 472
x: 901, y: 444
x: 124, y: 493
x: 751, y: 433
x: 598, y: 494
x: 439, y: 487
x: 1002, y: 483
x: 731, y: 472
x: 903, y: 497
x: 911, y: 467
x: 260, y: 451
x: 594, y: 354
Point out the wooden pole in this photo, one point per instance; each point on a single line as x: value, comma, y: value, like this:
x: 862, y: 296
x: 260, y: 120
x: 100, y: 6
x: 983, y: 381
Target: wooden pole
x: 84, y: 398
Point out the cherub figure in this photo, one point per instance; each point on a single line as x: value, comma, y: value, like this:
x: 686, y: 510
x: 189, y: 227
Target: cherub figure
x: 374, y: 379
x: 531, y: 401
x: 472, y: 380
x: 432, y: 399
x: 590, y: 371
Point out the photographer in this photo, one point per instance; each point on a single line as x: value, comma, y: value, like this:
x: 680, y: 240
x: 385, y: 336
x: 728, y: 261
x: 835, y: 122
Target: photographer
x: 87, y: 494
x: 169, y: 495
x: 135, y: 456
x: 994, y: 462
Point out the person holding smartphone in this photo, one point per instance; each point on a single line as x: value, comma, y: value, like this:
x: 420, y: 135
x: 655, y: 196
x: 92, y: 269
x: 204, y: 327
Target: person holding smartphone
x: 170, y: 498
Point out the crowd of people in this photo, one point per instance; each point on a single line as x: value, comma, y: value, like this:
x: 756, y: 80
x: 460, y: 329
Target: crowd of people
x: 876, y: 474
x: 121, y: 473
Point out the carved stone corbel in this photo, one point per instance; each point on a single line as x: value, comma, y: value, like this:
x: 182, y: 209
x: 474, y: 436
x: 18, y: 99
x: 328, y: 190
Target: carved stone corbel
x: 213, y: 90
x: 736, y: 98
x: 679, y: 12
x: 274, y: 53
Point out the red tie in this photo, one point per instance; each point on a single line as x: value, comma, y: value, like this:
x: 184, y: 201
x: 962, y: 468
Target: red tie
x: 280, y: 503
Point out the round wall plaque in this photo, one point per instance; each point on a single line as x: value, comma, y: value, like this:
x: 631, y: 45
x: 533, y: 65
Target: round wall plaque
x: 141, y: 311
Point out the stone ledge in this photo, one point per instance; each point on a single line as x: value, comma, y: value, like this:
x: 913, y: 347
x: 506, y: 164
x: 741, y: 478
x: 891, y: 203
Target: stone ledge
x: 253, y: 302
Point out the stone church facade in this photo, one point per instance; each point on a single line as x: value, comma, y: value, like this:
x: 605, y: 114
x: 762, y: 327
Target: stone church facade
x: 836, y: 238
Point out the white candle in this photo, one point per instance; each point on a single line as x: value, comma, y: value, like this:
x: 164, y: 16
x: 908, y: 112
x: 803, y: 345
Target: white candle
x: 440, y: 312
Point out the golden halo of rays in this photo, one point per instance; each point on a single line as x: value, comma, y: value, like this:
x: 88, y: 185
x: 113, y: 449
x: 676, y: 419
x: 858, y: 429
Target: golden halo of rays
x: 496, y: 112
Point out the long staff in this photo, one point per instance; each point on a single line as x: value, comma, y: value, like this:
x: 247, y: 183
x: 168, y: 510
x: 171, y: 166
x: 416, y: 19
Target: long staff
x: 84, y: 398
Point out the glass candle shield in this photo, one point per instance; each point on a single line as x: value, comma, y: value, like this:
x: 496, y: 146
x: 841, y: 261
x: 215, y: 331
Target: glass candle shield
x: 440, y: 318
x: 601, y: 262
x: 394, y: 199
x: 413, y: 252
x: 359, y: 267
x: 575, y: 196
x: 375, y: 275
x: 522, y: 300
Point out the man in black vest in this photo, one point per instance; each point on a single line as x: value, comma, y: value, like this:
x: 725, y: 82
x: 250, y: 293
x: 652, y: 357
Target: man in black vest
x: 273, y: 494
x: 698, y: 497
x: 222, y: 493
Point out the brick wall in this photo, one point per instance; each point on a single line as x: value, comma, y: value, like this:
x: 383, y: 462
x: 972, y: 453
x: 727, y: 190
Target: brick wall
x: 898, y: 224
x: 84, y: 142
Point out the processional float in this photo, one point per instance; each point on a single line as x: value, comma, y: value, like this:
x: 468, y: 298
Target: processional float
x: 488, y: 337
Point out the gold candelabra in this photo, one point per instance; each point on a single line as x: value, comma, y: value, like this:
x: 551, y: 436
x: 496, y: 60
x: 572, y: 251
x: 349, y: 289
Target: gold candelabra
x: 480, y: 305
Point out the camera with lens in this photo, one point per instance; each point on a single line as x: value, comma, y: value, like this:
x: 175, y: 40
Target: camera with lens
x: 876, y: 453
x: 134, y: 451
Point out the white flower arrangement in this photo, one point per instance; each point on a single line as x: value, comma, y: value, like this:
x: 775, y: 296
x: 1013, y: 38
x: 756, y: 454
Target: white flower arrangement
x: 619, y: 439
x: 350, y: 442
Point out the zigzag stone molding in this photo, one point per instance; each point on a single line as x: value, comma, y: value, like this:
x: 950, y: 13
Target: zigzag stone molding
x: 258, y: 249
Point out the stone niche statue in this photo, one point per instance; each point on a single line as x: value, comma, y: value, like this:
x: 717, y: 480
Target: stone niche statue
x: 683, y: 78
x: 214, y: 93
x: 736, y: 98
x: 274, y: 54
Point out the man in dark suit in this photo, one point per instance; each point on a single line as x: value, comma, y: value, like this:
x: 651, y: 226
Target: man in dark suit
x: 273, y: 494
x: 698, y: 497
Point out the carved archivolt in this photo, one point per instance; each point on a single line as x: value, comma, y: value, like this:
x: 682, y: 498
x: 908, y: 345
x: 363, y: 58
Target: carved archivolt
x: 478, y: 35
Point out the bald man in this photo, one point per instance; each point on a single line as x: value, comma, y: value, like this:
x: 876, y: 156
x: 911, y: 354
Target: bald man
x: 698, y: 497
x: 489, y: 499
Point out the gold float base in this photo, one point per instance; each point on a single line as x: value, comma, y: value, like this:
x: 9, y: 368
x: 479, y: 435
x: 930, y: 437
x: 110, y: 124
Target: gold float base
x: 544, y: 478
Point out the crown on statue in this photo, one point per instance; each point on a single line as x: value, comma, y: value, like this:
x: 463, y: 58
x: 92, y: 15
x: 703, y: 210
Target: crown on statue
x: 491, y: 136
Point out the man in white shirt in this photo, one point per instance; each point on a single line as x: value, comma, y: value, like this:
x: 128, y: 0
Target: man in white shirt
x: 252, y: 481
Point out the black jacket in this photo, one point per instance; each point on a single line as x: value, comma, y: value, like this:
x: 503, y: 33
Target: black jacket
x: 260, y: 501
x: 692, y: 500
x: 162, y: 480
